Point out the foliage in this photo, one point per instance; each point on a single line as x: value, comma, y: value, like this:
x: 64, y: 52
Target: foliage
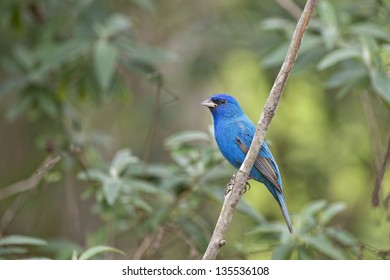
x: 16, y: 246
x: 93, y: 251
x: 79, y: 80
x: 315, y: 236
x: 56, y: 61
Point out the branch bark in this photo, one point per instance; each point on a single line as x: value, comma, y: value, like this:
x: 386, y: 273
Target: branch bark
x: 380, y: 174
x: 239, y: 181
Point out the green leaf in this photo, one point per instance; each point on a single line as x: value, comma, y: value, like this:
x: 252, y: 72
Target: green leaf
x: 54, y: 56
x: 330, y: 30
x: 304, y: 253
x: 105, y: 60
x: 23, y: 57
x: 116, y: 24
x: 148, y: 5
x: 331, y: 211
x: 19, y: 108
x: 323, y: 245
x: 276, y: 57
x: 48, y: 105
x: 121, y: 161
x: 12, y: 250
x: 342, y: 236
x: 337, y: 56
x: 348, y: 75
x: 277, y: 24
x: 140, y: 185
x: 21, y: 240
x: 381, y: 83
x: 194, y: 232
x: 11, y: 86
x: 142, y: 204
x: 92, y: 174
x: 178, y: 139
x: 269, y: 228
x: 370, y: 29
x: 283, y: 251
x: 75, y: 255
x: 313, y: 208
x: 111, y: 189
x: 93, y: 251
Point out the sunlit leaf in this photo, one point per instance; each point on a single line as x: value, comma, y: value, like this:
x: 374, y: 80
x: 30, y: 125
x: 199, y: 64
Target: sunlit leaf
x: 277, y: 24
x: 178, y: 139
x: 105, y: 60
x: 148, y: 5
x: 142, y: 186
x: 92, y: 174
x: 328, y: 16
x: 117, y: 23
x: 332, y: 210
x: 21, y: 240
x: 337, y: 56
x: 313, y: 208
x: 111, y: 189
x: 121, y: 161
x: 93, y: 251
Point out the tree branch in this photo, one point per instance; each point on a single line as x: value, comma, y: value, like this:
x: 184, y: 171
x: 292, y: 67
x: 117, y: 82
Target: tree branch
x: 239, y: 180
x: 380, y: 174
x: 291, y: 7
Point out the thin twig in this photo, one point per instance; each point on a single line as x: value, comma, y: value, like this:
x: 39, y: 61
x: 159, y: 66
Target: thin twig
x: 153, y: 125
x: 380, y: 175
x: 31, y: 182
x: 291, y: 7
x: 233, y: 197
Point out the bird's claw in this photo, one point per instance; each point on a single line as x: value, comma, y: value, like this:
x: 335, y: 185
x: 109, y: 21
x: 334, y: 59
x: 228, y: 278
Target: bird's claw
x: 230, y: 185
x: 247, y: 188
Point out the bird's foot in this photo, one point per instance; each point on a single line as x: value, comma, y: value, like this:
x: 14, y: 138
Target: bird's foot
x: 230, y: 185
x: 247, y: 188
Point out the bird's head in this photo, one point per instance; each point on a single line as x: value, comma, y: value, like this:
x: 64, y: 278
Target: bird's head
x: 223, y: 106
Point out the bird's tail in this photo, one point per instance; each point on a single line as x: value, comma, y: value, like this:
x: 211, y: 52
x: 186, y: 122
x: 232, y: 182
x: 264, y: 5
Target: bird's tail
x: 283, y: 207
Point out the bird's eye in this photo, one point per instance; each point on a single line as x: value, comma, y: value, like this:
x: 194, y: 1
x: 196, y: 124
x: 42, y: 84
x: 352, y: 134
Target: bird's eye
x: 223, y: 101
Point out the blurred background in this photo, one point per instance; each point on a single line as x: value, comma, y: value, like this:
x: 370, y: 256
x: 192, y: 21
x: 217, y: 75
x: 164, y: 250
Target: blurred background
x: 106, y: 152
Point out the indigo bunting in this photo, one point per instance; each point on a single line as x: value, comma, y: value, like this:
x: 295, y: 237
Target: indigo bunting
x: 234, y: 132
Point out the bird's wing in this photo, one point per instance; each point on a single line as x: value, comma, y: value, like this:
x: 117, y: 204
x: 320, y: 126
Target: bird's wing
x: 264, y: 163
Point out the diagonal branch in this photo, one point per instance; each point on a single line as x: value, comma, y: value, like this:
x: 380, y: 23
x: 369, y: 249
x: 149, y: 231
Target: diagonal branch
x: 233, y: 197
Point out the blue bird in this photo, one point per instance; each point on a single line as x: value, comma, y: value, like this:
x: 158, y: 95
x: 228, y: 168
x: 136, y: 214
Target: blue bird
x: 234, y: 132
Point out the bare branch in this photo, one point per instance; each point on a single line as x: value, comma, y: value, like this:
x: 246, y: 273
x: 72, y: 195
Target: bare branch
x: 291, y: 7
x: 31, y: 182
x: 380, y: 175
x: 233, y: 197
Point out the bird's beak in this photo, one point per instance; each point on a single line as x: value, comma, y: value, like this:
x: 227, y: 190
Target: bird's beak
x: 209, y: 103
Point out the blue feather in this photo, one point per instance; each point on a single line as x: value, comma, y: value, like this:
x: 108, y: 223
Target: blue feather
x: 234, y: 132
